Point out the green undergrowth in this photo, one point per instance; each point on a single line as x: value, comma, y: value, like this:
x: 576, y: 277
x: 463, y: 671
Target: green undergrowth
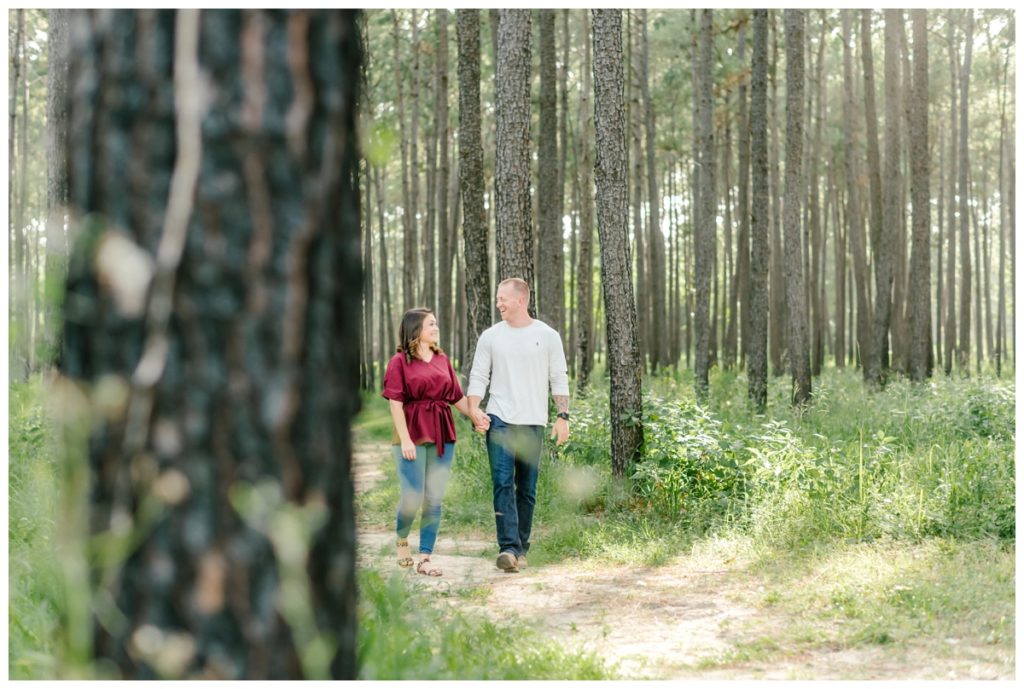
x: 909, y: 462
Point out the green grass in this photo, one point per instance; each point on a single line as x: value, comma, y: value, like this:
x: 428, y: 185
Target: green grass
x: 910, y: 462
x: 875, y: 519
x: 34, y: 582
x: 408, y: 632
x: 888, y: 594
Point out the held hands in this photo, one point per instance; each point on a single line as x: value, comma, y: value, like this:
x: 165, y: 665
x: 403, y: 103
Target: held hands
x: 481, y: 422
x: 560, y: 431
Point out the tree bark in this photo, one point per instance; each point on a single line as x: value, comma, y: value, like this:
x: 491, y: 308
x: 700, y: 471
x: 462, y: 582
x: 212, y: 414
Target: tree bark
x: 920, y: 268
x: 471, y: 181
x: 512, y: 165
x: 235, y: 379
x: 871, y: 118
x: 1001, y: 271
x: 757, y: 316
x: 445, y: 244
x: 56, y: 179
x: 551, y: 287
x: 777, y: 315
x: 659, y: 332
x: 585, y: 266
x: 634, y: 117
x: 704, y: 231
x: 800, y: 366
x: 886, y: 251
x: 964, y: 349
x: 815, y: 246
x: 409, y: 233
x: 18, y: 353
x: 742, y: 301
x: 951, y: 321
x: 387, y: 325
x: 624, y: 366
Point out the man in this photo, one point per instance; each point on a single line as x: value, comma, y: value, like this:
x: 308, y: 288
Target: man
x: 517, y: 358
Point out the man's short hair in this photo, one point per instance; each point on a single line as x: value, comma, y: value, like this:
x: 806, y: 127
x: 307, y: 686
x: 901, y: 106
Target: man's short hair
x: 519, y: 285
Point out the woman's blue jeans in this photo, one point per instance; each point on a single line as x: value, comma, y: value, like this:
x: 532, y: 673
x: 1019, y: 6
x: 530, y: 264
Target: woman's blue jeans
x: 422, y: 483
x: 514, y: 454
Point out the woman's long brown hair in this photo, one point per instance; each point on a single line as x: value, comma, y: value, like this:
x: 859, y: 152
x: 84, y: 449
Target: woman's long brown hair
x: 409, y: 333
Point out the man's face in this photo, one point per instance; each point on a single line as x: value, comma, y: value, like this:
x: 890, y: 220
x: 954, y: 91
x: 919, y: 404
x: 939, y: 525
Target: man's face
x: 509, y: 302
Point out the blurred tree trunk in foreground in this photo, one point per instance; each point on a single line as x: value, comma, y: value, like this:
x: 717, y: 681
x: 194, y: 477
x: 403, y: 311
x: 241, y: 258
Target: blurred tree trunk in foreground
x: 212, y: 301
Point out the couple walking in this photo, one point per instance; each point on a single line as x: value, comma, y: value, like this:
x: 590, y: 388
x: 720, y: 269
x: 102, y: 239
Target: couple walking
x: 516, y: 359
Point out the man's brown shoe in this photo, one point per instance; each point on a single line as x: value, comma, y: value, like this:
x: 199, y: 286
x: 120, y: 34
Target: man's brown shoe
x: 507, y: 562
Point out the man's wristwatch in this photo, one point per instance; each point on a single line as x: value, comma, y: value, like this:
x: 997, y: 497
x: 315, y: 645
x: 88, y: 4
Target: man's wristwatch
x: 563, y: 415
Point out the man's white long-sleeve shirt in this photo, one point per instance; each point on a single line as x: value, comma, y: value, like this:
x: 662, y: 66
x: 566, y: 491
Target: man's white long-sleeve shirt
x: 519, y: 364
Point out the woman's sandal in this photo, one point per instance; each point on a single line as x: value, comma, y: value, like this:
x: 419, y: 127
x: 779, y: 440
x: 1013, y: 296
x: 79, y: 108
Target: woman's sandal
x: 404, y: 555
x: 427, y: 571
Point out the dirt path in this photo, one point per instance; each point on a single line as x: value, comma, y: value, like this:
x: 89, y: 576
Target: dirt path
x: 695, y: 618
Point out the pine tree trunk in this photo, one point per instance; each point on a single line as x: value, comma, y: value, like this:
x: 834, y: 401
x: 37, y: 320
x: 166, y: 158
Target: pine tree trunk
x: 419, y: 229
x: 920, y: 268
x: 757, y: 315
x: 815, y: 248
x: 514, y: 236
x: 585, y: 265
x: 777, y: 315
x: 729, y: 329
x: 409, y: 234
x: 951, y: 321
x: 704, y: 231
x: 56, y: 179
x: 979, y: 342
x: 799, y: 359
x: 445, y: 248
x: 964, y: 349
x: 551, y: 287
x: 871, y: 119
x: 387, y: 324
x: 471, y: 181
x: 1001, y: 272
x: 885, y: 256
x: 633, y: 118
x: 366, y: 351
x: 26, y: 264
x: 610, y: 176
x: 18, y: 353
x: 940, y: 306
x: 839, y: 252
x: 742, y: 301
x: 659, y: 333
x: 430, y: 225
x: 237, y: 378
x: 563, y: 151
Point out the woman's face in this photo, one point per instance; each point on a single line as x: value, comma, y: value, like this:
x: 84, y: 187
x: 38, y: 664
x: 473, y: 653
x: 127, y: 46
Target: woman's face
x: 429, y: 332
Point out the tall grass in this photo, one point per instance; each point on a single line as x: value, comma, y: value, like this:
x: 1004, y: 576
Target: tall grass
x: 911, y: 461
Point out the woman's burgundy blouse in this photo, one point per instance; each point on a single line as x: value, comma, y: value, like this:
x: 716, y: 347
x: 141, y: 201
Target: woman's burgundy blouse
x: 425, y: 389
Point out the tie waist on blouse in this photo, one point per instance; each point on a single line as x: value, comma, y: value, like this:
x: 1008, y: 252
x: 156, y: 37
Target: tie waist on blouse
x: 438, y: 411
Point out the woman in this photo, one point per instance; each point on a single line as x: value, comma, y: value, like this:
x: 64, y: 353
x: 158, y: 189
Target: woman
x: 421, y: 384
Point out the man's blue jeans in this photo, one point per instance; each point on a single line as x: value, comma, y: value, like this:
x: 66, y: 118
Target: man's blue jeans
x: 422, y: 484
x: 514, y: 454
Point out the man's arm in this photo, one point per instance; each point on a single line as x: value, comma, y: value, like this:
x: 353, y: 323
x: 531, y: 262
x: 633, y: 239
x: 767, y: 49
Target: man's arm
x: 559, y: 378
x: 479, y: 378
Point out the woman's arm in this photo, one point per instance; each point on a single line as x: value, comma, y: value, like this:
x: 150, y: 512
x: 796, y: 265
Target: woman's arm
x: 463, y: 406
x: 398, y: 417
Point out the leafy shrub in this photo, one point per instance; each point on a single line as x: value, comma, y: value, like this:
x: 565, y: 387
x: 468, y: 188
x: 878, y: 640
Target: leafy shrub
x: 690, y: 467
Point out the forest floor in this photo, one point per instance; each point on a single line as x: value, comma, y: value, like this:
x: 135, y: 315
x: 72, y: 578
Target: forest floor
x: 704, y: 615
